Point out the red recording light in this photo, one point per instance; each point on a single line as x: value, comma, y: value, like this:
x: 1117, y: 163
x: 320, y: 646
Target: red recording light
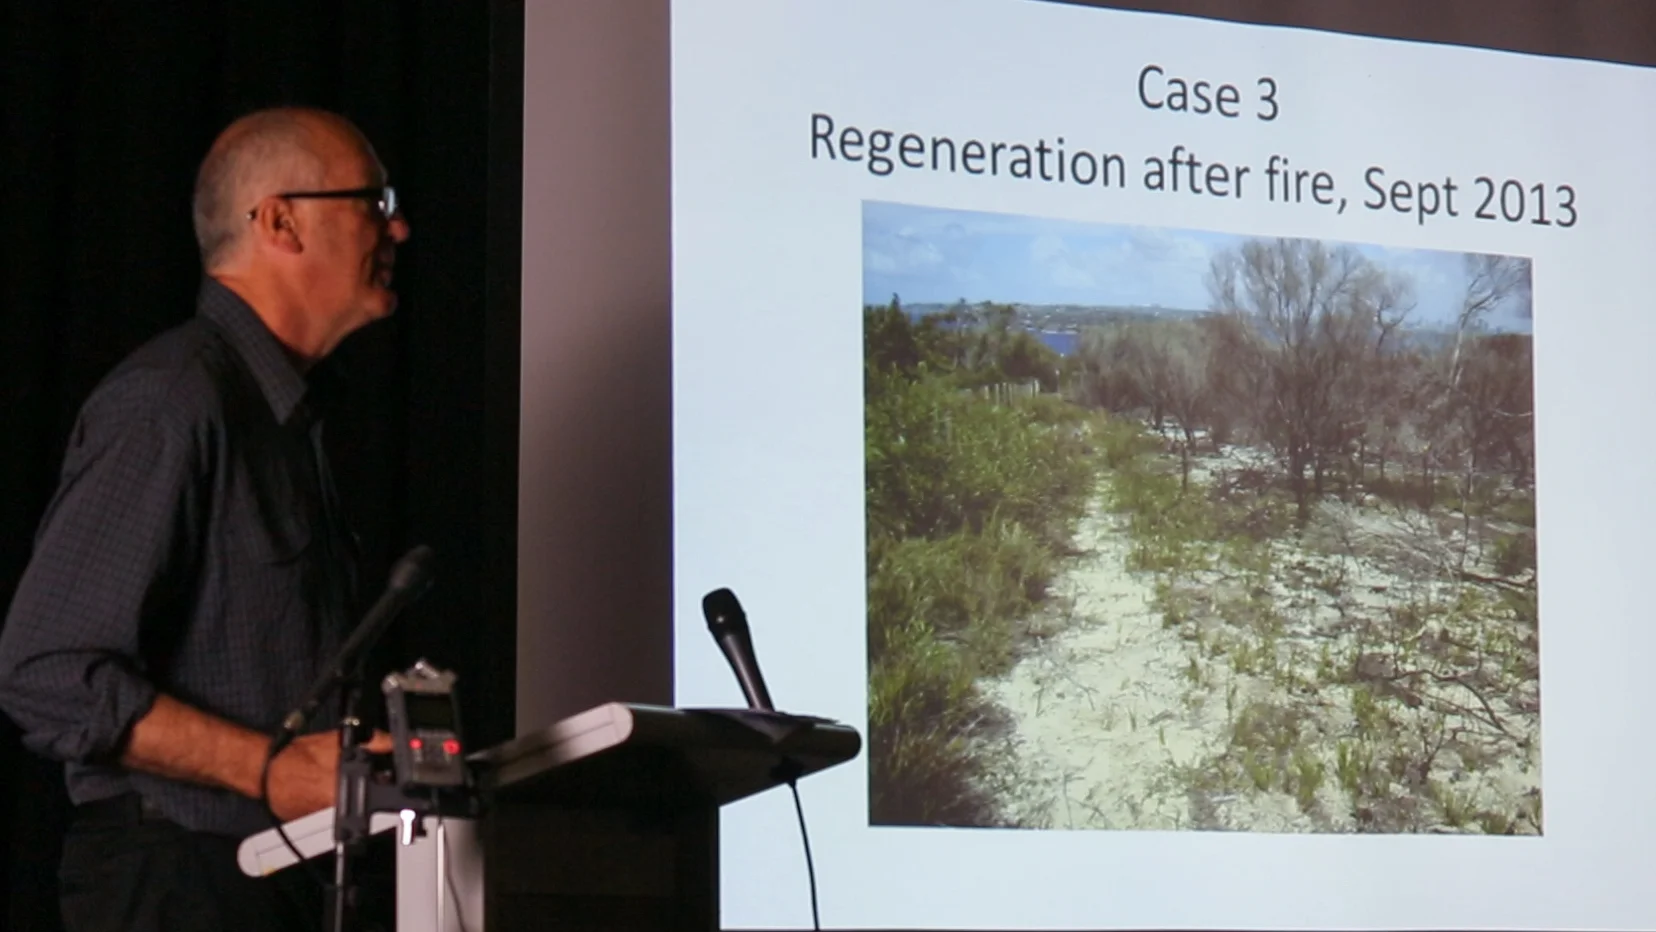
x: 415, y: 744
x: 451, y: 746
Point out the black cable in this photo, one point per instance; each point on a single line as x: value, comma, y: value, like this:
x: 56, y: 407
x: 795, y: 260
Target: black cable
x: 264, y: 799
x: 810, y: 869
x: 448, y: 863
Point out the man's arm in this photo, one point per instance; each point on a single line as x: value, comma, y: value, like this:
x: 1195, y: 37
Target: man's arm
x: 111, y: 551
x: 118, y: 539
x: 181, y: 742
x: 114, y: 555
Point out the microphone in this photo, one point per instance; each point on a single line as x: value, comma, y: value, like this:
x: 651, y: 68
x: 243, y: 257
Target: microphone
x: 728, y: 625
x: 409, y: 579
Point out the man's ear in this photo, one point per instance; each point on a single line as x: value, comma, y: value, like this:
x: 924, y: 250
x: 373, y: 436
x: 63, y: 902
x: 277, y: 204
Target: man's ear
x: 276, y: 226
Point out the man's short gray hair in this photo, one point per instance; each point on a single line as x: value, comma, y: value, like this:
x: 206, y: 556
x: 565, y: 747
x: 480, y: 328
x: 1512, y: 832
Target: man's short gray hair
x: 274, y: 148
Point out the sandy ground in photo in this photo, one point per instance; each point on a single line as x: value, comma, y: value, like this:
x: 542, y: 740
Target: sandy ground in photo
x: 1114, y: 714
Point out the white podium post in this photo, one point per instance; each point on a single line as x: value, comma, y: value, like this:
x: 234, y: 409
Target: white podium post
x: 440, y: 879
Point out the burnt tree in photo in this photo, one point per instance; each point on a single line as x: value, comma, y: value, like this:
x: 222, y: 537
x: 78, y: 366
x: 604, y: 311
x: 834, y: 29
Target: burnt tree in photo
x: 1308, y: 342
x: 1163, y: 369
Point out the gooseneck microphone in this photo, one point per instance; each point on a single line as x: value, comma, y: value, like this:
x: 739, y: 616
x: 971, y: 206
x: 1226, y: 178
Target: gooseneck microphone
x: 728, y: 625
x: 409, y: 579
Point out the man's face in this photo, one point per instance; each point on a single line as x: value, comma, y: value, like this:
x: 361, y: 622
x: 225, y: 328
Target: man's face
x: 351, y: 249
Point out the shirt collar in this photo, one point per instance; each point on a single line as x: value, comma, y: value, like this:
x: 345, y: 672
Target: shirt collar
x: 283, y: 385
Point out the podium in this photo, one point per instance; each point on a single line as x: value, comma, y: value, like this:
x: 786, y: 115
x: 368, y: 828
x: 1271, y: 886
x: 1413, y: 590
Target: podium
x: 606, y: 820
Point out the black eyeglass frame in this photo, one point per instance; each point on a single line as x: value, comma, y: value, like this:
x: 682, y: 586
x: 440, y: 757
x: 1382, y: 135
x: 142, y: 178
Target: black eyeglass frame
x: 384, y: 198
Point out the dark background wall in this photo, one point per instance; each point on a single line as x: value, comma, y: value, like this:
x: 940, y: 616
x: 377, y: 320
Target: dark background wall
x: 1609, y: 30
x: 106, y: 108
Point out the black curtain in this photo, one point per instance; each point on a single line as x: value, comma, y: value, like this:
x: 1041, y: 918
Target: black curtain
x: 108, y: 108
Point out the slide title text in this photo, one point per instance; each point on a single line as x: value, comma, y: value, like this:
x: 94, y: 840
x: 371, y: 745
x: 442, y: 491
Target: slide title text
x: 1180, y: 170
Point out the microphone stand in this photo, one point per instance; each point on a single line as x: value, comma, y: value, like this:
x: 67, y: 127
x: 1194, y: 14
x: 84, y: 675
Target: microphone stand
x: 352, y: 809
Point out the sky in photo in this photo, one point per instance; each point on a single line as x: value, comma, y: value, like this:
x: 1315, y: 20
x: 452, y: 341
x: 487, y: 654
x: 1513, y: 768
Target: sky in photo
x: 929, y: 254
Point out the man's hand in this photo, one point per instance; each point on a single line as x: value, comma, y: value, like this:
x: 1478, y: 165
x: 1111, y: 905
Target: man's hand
x: 305, y: 776
x: 181, y: 742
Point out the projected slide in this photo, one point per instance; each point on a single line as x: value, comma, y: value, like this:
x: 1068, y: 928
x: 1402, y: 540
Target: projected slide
x: 1206, y: 462
x: 1197, y: 531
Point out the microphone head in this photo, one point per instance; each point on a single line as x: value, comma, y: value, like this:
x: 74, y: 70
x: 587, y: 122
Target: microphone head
x: 723, y: 612
x: 413, y: 570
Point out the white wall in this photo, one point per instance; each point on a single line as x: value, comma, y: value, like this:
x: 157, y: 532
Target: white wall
x: 595, y: 467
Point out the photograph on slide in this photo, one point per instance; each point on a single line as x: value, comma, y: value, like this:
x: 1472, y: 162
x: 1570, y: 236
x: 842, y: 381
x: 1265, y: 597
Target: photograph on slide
x: 1183, y: 530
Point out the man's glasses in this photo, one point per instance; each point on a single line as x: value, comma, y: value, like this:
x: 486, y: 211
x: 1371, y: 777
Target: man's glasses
x: 384, y: 198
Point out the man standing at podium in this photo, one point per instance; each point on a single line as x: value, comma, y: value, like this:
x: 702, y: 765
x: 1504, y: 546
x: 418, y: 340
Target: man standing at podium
x: 193, y: 572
